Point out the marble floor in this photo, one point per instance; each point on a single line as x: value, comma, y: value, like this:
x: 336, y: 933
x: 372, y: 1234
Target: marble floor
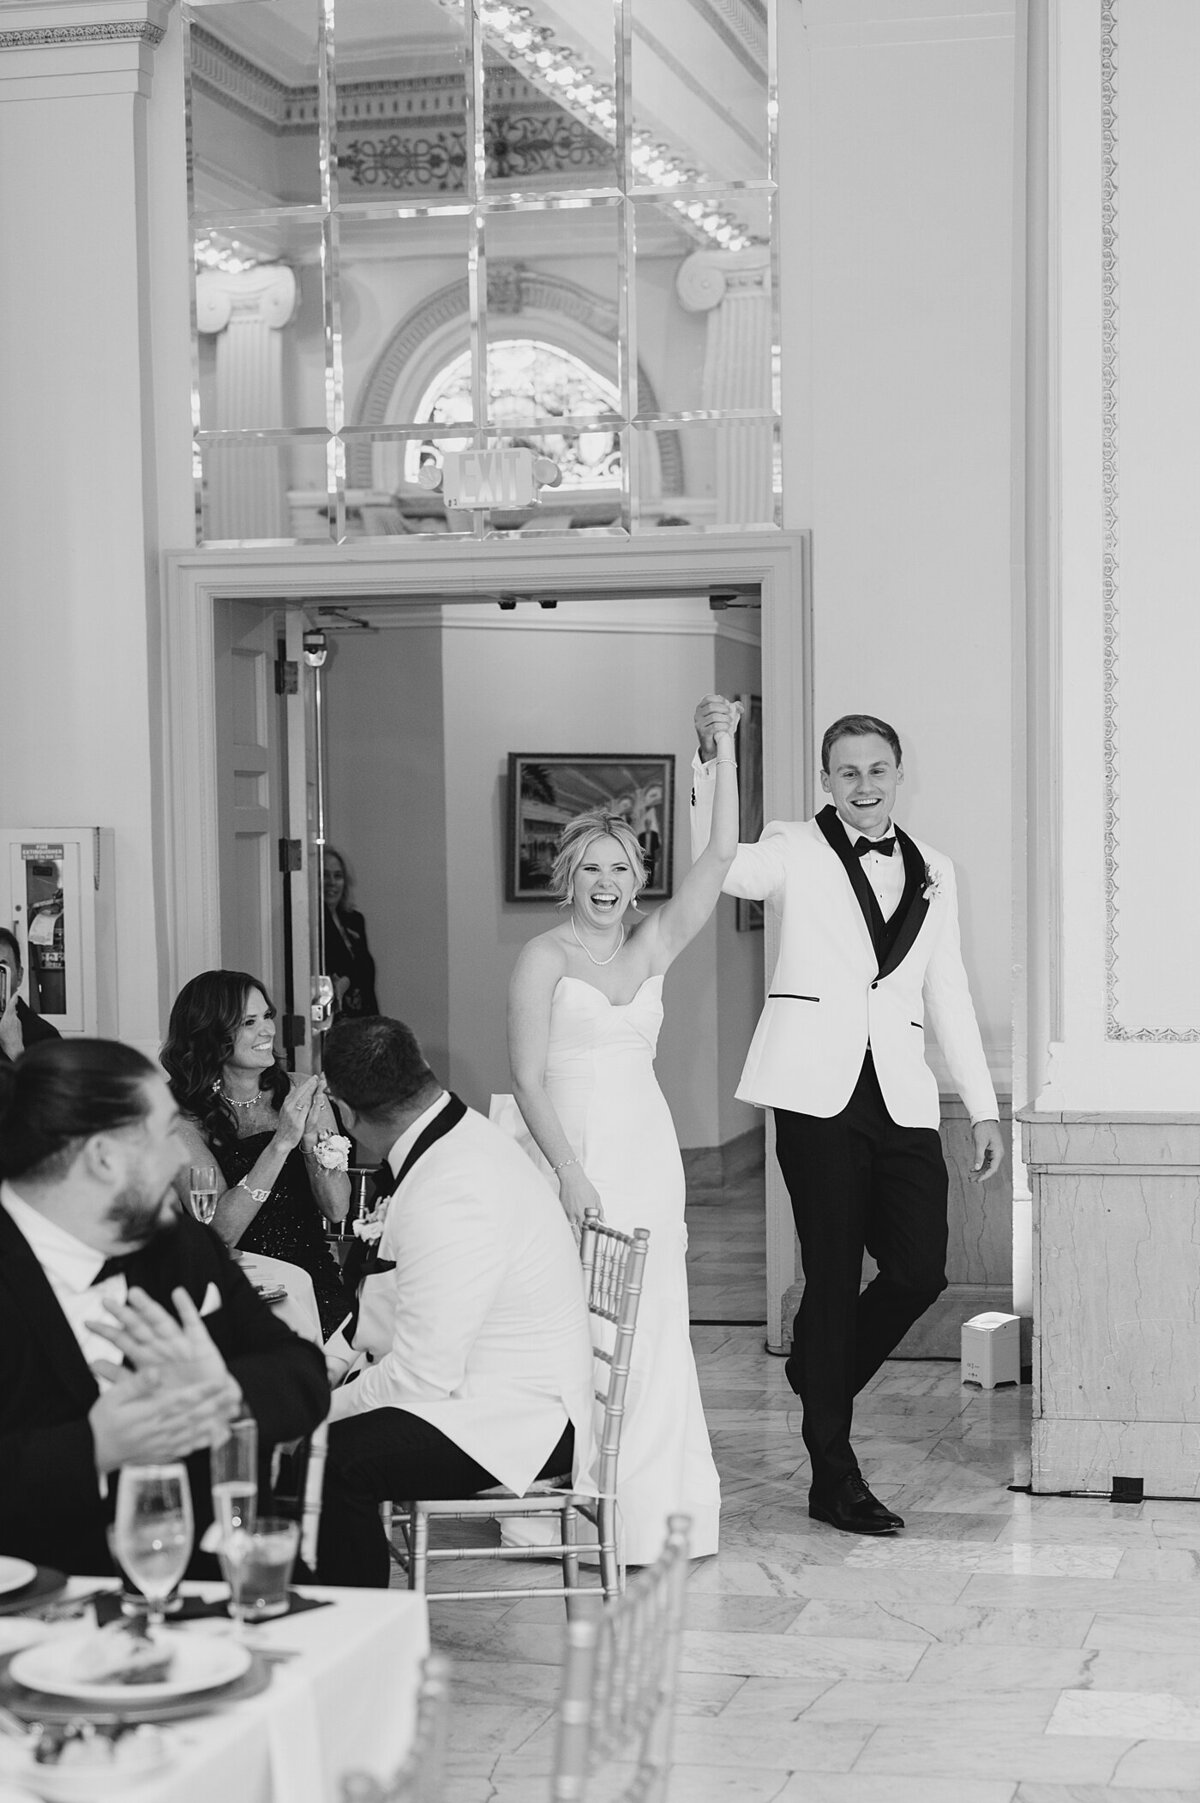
x: 1004, y: 1649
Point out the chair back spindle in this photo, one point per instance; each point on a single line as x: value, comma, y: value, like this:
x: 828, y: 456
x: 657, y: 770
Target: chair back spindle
x: 620, y: 1677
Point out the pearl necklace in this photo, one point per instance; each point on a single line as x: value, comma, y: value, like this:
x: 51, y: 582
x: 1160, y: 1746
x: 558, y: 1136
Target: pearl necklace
x: 583, y: 948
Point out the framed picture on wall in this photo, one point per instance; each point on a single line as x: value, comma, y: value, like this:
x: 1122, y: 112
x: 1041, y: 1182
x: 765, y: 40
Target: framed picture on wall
x: 546, y: 789
x: 750, y: 797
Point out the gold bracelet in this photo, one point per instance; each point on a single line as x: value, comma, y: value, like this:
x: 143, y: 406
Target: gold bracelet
x: 255, y: 1195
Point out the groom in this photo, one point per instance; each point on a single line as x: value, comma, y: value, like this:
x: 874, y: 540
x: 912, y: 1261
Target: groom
x: 869, y: 945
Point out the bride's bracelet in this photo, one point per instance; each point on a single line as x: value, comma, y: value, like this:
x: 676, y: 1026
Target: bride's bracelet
x: 562, y: 1164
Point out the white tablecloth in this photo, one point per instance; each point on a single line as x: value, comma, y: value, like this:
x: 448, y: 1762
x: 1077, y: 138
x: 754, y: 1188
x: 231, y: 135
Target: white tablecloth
x: 299, y: 1307
x: 346, y: 1702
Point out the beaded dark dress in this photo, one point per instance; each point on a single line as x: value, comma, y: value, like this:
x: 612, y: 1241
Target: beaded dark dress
x: 289, y: 1225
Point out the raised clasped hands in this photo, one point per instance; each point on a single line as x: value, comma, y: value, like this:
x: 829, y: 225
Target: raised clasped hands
x: 320, y: 1117
x: 295, y: 1109
x: 714, y: 718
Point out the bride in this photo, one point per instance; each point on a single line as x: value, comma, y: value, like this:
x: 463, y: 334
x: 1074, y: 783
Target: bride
x: 585, y: 1008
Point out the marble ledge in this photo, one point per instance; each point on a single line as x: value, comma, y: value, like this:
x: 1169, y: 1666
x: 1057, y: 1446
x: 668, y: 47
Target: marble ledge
x: 1100, y: 1141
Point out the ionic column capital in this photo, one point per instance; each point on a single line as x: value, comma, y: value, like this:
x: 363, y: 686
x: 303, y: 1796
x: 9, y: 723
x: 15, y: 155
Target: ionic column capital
x: 708, y: 277
x: 263, y: 296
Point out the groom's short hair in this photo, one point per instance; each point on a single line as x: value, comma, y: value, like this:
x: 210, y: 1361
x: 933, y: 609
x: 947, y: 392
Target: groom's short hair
x: 856, y: 726
x: 375, y: 1065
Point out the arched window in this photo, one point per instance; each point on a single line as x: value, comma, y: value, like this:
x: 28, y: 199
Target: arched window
x: 529, y: 382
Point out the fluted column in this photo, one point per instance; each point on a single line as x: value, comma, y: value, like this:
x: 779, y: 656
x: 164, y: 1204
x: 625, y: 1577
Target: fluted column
x: 734, y: 289
x: 247, y: 313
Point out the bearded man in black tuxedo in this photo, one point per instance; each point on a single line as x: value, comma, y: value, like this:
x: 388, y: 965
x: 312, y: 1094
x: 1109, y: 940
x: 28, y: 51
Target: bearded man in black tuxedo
x: 97, y: 1264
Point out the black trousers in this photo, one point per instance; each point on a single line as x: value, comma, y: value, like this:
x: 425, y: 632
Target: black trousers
x: 388, y: 1455
x: 857, y: 1181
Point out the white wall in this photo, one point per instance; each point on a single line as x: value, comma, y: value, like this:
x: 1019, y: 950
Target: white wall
x: 1113, y: 946
x: 85, y: 477
x: 387, y: 812
x: 897, y: 299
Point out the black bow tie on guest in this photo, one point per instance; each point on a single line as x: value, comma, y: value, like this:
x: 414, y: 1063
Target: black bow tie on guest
x: 885, y: 847
x: 117, y: 1267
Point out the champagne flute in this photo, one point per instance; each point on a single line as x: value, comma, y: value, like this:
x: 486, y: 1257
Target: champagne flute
x: 234, y: 1468
x: 202, y: 1191
x: 153, y: 1531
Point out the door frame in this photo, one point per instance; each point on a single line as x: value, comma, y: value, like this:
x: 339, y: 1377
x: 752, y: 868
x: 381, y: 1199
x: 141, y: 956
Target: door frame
x: 419, y: 570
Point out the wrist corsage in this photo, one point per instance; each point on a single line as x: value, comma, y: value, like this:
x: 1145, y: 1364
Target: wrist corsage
x: 332, y: 1151
x: 370, y: 1226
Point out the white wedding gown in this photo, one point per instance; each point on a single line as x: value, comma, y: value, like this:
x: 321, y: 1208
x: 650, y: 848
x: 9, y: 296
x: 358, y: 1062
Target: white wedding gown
x: 600, y: 1078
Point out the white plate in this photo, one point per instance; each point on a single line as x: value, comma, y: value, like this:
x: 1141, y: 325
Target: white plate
x: 201, y: 1662
x: 78, y: 1781
x: 14, y: 1573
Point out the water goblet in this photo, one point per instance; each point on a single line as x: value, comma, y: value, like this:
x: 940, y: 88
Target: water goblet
x: 152, y: 1531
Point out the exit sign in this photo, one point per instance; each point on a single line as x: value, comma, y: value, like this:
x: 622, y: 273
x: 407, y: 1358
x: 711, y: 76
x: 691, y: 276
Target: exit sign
x: 504, y: 478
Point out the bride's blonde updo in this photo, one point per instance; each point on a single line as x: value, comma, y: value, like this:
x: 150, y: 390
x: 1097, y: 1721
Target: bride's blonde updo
x: 573, y: 844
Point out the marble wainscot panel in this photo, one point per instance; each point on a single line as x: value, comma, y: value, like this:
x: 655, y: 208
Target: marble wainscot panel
x: 1116, y: 1215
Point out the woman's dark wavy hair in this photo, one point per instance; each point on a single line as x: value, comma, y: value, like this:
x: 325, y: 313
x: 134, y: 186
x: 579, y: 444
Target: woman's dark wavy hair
x: 200, y: 1033
x: 62, y: 1091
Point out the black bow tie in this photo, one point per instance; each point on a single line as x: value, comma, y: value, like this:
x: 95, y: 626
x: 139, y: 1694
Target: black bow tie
x: 885, y: 847
x: 117, y: 1267
x: 385, y: 1181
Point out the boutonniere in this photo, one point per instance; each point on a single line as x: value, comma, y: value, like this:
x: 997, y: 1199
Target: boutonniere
x: 370, y: 1226
x: 933, y: 884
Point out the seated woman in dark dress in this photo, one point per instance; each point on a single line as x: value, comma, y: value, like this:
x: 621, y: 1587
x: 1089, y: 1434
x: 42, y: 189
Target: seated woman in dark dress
x: 262, y: 1127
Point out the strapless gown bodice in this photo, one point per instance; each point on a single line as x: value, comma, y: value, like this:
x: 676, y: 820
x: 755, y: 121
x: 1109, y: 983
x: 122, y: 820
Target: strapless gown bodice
x: 600, y: 1078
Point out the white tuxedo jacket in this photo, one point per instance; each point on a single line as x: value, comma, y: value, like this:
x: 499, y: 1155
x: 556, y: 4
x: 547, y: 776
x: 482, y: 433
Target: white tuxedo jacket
x: 839, y: 985
x: 481, y: 1327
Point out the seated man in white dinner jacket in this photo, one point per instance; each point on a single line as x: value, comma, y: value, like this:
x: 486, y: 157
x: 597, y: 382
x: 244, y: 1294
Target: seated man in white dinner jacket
x: 471, y: 1316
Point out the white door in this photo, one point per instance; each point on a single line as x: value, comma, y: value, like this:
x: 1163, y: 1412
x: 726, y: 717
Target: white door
x: 262, y: 807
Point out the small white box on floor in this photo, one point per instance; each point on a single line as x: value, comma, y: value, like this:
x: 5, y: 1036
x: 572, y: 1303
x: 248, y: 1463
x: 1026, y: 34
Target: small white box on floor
x: 991, y: 1350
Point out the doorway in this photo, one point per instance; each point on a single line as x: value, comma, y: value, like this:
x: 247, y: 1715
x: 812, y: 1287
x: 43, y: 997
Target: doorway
x: 426, y: 706
x: 383, y: 575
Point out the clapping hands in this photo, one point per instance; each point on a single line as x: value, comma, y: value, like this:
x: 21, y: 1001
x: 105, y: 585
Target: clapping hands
x: 178, y: 1396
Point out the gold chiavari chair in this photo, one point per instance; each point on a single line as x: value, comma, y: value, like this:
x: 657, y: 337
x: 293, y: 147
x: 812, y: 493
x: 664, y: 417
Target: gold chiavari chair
x: 619, y: 1681
x: 420, y: 1777
x: 612, y: 1268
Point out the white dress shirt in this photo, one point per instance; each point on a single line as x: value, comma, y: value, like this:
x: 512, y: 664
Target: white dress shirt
x: 70, y: 1269
x: 885, y: 875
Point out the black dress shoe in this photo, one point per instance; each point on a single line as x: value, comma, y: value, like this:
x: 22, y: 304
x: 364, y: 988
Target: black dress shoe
x: 851, y: 1507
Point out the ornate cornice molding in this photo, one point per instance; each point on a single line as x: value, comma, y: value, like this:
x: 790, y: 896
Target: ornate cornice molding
x: 1110, y: 474
x: 116, y: 31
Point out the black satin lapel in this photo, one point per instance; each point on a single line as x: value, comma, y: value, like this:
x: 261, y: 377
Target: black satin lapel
x: 33, y: 1302
x: 913, y: 907
x: 439, y: 1126
x: 839, y: 842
